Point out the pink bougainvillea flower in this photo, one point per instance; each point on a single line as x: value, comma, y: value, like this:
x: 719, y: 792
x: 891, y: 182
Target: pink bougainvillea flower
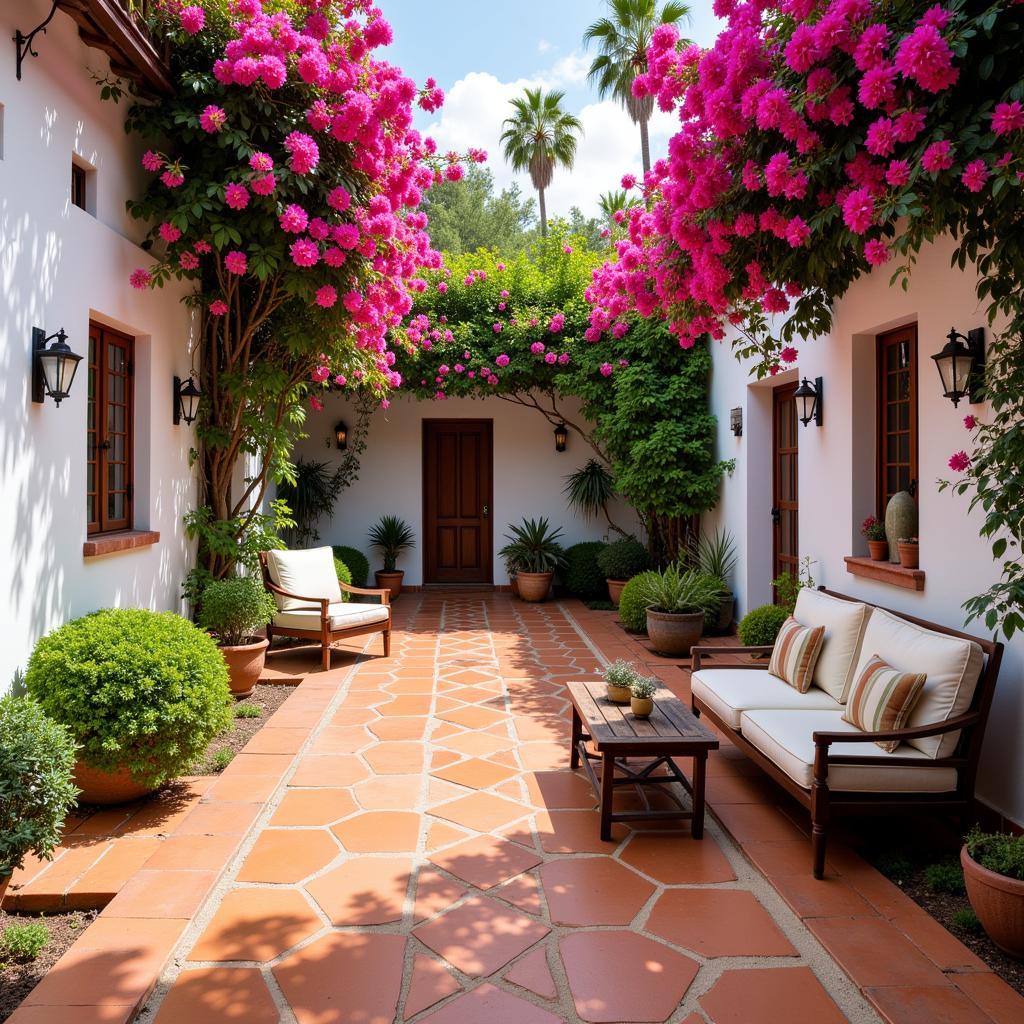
x: 326, y: 296
x: 172, y: 178
x: 859, y: 210
x: 537, y: 348
x: 212, y: 119
x: 304, y: 252
x: 442, y: 287
x: 970, y: 422
x: 294, y: 219
x: 339, y: 199
x: 218, y: 307
x: 152, y: 161
x: 897, y: 173
x: 938, y: 157
x: 550, y: 357
x: 202, y: 248
x: 315, y: 404
x: 925, y: 58
x: 975, y: 175
x: 567, y: 249
x: 788, y: 354
x: 557, y: 323
x: 500, y: 266
x: 236, y: 262
x: 628, y: 181
x: 453, y: 172
x: 959, y: 462
x: 236, y: 196
x: 188, y: 261
x: 264, y: 185
x: 498, y: 327
x: 876, y: 252
x: 502, y: 360
x: 1008, y: 117
x: 261, y: 162
x: 304, y: 150
x: 169, y: 233
x: 606, y: 369
x: 140, y: 278
x: 192, y: 18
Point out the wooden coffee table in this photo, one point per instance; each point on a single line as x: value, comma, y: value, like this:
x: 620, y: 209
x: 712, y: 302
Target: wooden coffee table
x: 615, y: 734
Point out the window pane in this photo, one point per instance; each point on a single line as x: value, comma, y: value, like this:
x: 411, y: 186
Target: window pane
x: 903, y: 410
x: 904, y: 454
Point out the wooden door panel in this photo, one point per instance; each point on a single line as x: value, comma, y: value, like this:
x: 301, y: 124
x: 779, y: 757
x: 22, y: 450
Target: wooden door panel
x: 785, y: 482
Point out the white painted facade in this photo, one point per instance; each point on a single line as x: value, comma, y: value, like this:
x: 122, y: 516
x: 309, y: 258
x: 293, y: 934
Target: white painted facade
x: 528, y: 474
x: 61, y: 266
x: 837, y: 479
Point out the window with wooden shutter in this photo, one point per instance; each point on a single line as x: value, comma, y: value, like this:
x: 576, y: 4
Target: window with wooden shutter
x: 897, y: 414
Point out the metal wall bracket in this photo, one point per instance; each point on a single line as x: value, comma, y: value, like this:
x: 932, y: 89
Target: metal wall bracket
x: 976, y: 343
x: 23, y: 43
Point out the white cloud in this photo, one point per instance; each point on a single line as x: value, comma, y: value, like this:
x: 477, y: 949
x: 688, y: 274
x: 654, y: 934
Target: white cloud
x: 543, y: 46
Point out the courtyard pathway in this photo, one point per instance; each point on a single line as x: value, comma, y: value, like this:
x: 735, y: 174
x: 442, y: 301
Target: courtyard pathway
x: 430, y: 857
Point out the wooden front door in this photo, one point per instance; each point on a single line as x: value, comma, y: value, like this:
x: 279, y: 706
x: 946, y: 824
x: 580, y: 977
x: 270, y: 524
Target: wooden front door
x: 457, y: 467
x: 785, y: 493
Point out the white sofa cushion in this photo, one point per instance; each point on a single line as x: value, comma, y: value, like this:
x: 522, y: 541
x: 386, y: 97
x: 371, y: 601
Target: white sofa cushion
x: 952, y: 666
x: 343, y: 616
x: 844, y: 626
x: 308, y: 573
x: 731, y: 691
x: 785, y: 738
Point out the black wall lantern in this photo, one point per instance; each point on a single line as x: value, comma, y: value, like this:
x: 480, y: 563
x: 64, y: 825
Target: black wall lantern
x: 808, y: 401
x: 961, y: 365
x: 736, y: 420
x: 341, y: 435
x: 53, y: 368
x: 186, y: 400
x: 561, y: 437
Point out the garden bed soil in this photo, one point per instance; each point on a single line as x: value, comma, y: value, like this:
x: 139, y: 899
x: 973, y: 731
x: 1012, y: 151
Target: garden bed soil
x: 268, y: 697
x: 18, y: 979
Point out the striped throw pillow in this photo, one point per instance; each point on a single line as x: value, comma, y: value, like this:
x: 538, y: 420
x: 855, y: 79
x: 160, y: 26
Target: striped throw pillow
x: 796, y: 653
x: 882, y: 699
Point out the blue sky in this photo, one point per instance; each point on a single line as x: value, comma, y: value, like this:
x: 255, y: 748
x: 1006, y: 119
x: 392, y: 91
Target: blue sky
x: 485, y: 52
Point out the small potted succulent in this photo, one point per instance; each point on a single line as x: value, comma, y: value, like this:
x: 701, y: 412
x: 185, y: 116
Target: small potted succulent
x: 234, y: 610
x: 620, y: 562
x: 641, y: 701
x: 393, y: 536
x: 678, y: 603
x: 533, y: 554
x: 36, y: 788
x: 873, y: 531
x: 907, y: 547
x: 619, y: 677
x: 993, y: 864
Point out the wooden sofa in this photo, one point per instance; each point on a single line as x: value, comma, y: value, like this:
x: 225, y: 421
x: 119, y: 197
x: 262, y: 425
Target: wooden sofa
x: 832, y: 767
x: 309, y: 600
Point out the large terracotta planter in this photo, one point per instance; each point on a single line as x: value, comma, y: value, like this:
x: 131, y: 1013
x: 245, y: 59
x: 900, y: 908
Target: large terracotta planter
x: 723, y: 624
x: 5, y: 880
x: 392, y: 581
x: 513, y: 583
x: 534, y: 586
x: 615, y: 590
x: 245, y: 665
x: 999, y: 903
x: 674, y: 633
x: 100, y: 787
x: 908, y: 555
x: 878, y: 550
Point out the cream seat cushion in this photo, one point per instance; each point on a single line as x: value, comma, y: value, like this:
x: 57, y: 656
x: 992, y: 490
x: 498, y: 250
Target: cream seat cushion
x: 952, y: 666
x: 785, y: 738
x: 731, y: 691
x: 343, y: 616
x: 308, y: 573
x: 844, y: 623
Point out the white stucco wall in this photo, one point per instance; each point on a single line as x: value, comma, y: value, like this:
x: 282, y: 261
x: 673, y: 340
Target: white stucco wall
x: 60, y: 267
x: 837, y: 483
x: 528, y: 473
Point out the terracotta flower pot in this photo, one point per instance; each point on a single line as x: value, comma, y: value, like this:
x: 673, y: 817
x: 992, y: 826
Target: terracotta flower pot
x: 513, y: 582
x: 615, y: 590
x: 674, y: 633
x: 5, y: 880
x: 619, y: 694
x: 100, y: 787
x: 245, y: 665
x: 723, y: 625
x: 908, y: 555
x: 534, y: 586
x: 999, y: 903
x: 641, y: 706
x: 392, y: 581
x: 878, y: 550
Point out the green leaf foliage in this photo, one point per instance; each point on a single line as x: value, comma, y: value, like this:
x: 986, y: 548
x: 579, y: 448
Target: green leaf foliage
x: 533, y: 547
x: 357, y: 563
x: 623, y: 559
x: 634, y: 601
x: 392, y: 535
x: 24, y: 942
x: 998, y: 851
x: 235, y: 608
x: 684, y: 592
x: 760, y: 626
x: 583, y: 576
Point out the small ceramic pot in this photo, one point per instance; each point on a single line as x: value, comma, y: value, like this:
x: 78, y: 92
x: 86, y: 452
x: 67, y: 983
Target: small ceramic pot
x: 641, y: 706
x: 245, y: 666
x: 391, y: 581
x: 999, y: 903
x: 534, y: 586
x: 908, y: 555
x: 674, y: 633
x: 878, y: 550
x: 615, y: 590
x: 100, y: 787
x: 619, y: 694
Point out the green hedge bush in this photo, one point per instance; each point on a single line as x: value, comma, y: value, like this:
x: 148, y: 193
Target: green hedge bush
x: 634, y: 600
x: 344, y: 575
x: 760, y: 626
x: 623, y: 559
x: 235, y: 609
x: 140, y: 690
x: 583, y: 576
x: 356, y: 562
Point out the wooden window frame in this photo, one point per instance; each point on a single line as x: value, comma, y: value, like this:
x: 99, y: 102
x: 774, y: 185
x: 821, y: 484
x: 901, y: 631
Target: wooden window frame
x: 882, y: 343
x: 79, y: 186
x: 96, y: 420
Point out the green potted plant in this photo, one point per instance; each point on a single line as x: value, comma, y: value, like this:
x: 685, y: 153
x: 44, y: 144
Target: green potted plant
x: 761, y: 625
x: 36, y: 790
x: 678, y: 602
x: 620, y: 562
x: 393, y: 536
x: 641, y: 701
x: 907, y: 547
x: 716, y: 556
x: 533, y: 552
x: 233, y: 610
x: 873, y: 531
x: 142, y: 694
x: 633, y: 602
x: 993, y: 864
x: 619, y: 677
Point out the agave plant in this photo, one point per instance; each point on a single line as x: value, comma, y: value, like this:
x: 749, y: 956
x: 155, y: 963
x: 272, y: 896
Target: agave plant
x: 715, y: 555
x: 681, y: 592
x: 533, y: 547
x: 393, y: 536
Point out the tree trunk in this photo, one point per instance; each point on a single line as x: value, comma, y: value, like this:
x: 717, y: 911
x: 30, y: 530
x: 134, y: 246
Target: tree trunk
x: 645, y: 145
x: 543, y: 215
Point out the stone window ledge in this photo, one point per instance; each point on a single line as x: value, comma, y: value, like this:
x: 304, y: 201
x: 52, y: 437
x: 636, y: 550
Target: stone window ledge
x: 885, y: 572
x: 123, y: 540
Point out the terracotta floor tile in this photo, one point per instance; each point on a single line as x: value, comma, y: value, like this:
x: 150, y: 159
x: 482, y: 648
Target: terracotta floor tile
x: 364, y: 890
x: 112, y: 1014
x: 647, y: 983
x: 757, y: 997
x: 473, y: 716
x: 435, y: 893
x: 219, y: 819
x: 379, y: 832
x: 287, y: 855
x: 481, y: 936
x: 523, y: 892
x: 678, y: 859
x: 717, y: 923
x: 396, y: 758
x: 246, y: 789
x: 943, y: 949
x: 789, y: 857
x: 993, y: 995
x: 440, y: 833
x: 405, y: 706
x: 430, y: 983
x: 533, y: 973
x: 485, y: 861
x: 329, y: 770
x: 757, y: 822
x: 344, y: 977
x: 487, y: 1004
x: 276, y: 741
x: 313, y: 807
x: 192, y: 853
x: 399, y: 728
x: 560, y: 790
x: 256, y: 924
x: 410, y: 685
x: 541, y: 756
x: 552, y: 728
x: 477, y: 744
x: 924, y: 1004
x: 388, y: 792
x: 475, y: 773
x: 162, y: 894
x: 574, y: 832
x: 481, y: 811
x: 340, y: 740
x: 593, y: 890
x: 214, y: 995
x: 108, y: 876
x: 826, y: 897
x: 439, y: 758
x: 258, y: 764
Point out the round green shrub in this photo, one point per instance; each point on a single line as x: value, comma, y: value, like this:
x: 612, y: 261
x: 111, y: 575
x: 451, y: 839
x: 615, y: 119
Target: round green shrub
x: 583, y: 576
x: 36, y: 791
x: 344, y: 575
x: 357, y: 563
x: 140, y: 690
x: 760, y: 626
x: 234, y: 609
x: 623, y: 559
x: 634, y: 600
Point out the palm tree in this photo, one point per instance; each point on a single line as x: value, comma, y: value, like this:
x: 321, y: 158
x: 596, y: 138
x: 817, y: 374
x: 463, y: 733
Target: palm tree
x: 623, y: 39
x: 538, y: 137
x: 615, y: 200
